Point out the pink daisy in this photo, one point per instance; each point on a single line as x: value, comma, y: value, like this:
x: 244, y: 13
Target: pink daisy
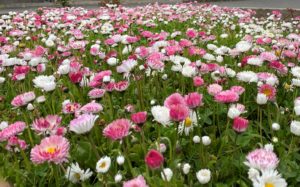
x: 117, y: 129
x: 51, y: 149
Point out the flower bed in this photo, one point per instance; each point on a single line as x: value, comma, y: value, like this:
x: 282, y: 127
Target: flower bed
x: 160, y: 95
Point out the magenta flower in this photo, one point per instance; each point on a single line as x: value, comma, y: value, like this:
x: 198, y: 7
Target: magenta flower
x: 240, y: 124
x: 193, y: 100
x: 227, y: 96
x: 154, y: 159
x: 139, y: 117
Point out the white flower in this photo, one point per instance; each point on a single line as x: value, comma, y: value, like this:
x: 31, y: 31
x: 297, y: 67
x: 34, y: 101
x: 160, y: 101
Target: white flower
x: 196, y: 139
x: 209, y: 57
x: 41, y: 99
x: 118, y: 177
x: 206, y: 140
x: 2, y: 80
x: 255, y: 61
x: 83, y: 123
x: 296, y: 71
x: 3, y: 125
x: 75, y: 173
x: 161, y: 114
x: 126, y: 66
x: 296, y: 82
x: 253, y: 174
x: 243, y: 46
x: 186, y: 168
x: 211, y: 47
x: 203, y: 176
x: 261, y: 99
x: 188, y: 71
x: 269, y: 178
x: 233, y: 112
x: 120, y: 159
x: 166, y: 174
x: 297, y: 110
x: 44, y: 82
x: 219, y: 59
x: 247, y: 76
x: 49, y: 43
x: 112, y: 61
x: 63, y: 69
x: 106, y: 78
x: 103, y: 164
x: 30, y: 107
x: 188, y: 124
x: 295, y: 127
x: 275, y: 126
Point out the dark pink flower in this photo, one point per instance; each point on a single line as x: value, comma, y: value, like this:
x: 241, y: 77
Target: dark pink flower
x: 193, y: 100
x: 154, y: 159
x: 240, y: 124
x: 139, y: 117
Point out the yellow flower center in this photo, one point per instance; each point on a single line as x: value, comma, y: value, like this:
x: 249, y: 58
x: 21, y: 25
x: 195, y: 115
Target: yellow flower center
x: 269, y: 185
x: 277, y: 52
x: 102, y: 165
x: 77, y: 176
x: 188, y: 122
x: 51, y: 150
x: 267, y: 92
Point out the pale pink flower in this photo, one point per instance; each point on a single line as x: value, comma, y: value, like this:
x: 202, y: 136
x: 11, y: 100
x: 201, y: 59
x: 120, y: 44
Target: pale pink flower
x: 96, y: 93
x: 136, y: 182
x: 117, y: 129
x: 51, y: 149
x: 91, y: 107
x: 214, y: 89
x: 262, y: 159
x: 83, y: 123
x: 23, y: 99
x: 238, y: 89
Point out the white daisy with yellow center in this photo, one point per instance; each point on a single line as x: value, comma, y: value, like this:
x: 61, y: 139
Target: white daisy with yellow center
x: 103, y: 164
x: 188, y: 124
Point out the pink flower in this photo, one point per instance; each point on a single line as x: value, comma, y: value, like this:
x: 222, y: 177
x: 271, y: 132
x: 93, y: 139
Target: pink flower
x: 198, y: 81
x: 262, y: 159
x: 240, y: 124
x: 117, y: 129
x: 174, y: 99
x: 191, y: 33
x: 46, y: 125
x: 238, y: 89
x: 121, y: 86
x: 91, y: 107
x: 268, y: 56
x: 226, y: 96
x: 96, y: 93
x: 12, y: 130
x: 136, y: 182
x: 76, y: 77
x: 23, y: 99
x: 179, y: 112
x: 268, y: 90
x: 69, y: 107
x: 15, y: 142
x: 139, y: 117
x: 193, y: 100
x: 51, y: 149
x: 154, y: 159
x: 214, y: 89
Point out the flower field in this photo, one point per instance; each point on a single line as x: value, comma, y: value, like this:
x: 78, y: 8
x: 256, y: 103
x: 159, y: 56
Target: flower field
x: 160, y: 95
